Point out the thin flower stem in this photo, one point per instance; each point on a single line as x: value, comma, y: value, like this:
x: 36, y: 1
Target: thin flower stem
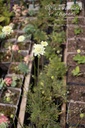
x: 38, y: 69
x: 42, y: 62
x: 34, y: 73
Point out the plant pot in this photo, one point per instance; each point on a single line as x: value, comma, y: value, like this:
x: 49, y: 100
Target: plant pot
x: 18, y: 56
x: 71, y: 62
x: 10, y: 112
x: 10, y: 96
x: 24, y: 45
x: 5, y: 56
x: 71, y: 31
x: 6, y: 44
x: 74, y: 110
x: 13, y: 68
x: 70, y: 21
x: 74, y: 44
x: 78, y: 80
x: 76, y: 93
x: 69, y: 11
x: 18, y: 82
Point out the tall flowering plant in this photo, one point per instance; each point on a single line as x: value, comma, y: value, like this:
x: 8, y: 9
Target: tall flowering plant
x: 38, y: 50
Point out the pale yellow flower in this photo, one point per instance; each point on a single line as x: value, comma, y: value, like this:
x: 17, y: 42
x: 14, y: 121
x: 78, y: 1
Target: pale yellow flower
x: 38, y: 50
x: 21, y: 38
x: 44, y: 43
x: 78, y: 51
x: 7, y: 30
x: 52, y: 77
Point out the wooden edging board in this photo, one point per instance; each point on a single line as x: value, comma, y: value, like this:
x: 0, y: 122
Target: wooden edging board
x: 24, y: 97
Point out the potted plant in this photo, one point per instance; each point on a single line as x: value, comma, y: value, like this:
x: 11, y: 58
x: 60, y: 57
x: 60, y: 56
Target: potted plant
x: 5, y: 56
x: 10, y: 96
x: 14, y: 81
x: 19, y: 56
x: 18, y: 68
x: 7, y: 115
x: 74, y: 44
x: 76, y: 114
x: 74, y: 8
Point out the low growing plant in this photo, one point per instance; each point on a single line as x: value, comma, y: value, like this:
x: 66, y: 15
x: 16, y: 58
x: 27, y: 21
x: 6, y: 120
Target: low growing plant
x: 77, y: 30
x: 58, y: 37
x: 75, y: 20
x: 23, y: 68
x: 75, y: 8
x: 76, y: 71
x: 5, y: 14
x: 80, y: 59
x: 11, y: 81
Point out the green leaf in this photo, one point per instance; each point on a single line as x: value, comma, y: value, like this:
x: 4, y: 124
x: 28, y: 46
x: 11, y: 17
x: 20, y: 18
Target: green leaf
x: 76, y: 71
x: 3, y: 125
x: 2, y: 18
x: 1, y: 83
x: 13, y: 84
x: 23, y: 68
x: 40, y: 35
x: 80, y: 59
x: 29, y: 29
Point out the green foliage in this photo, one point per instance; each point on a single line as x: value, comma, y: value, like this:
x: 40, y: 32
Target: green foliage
x: 29, y: 29
x: 77, y: 30
x: 75, y: 8
x: 14, y: 80
x: 1, y: 83
x: 23, y: 68
x: 32, y: 12
x: 80, y: 59
x: 58, y: 37
x: 45, y: 99
x: 5, y: 13
x: 75, y: 20
x: 3, y: 125
x: 76, y: 71
x: 40, y: 35
x: 2, y: 36
x: 56, y: 67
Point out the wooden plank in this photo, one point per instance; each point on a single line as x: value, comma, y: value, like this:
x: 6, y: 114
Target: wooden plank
x: 24, y: 98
